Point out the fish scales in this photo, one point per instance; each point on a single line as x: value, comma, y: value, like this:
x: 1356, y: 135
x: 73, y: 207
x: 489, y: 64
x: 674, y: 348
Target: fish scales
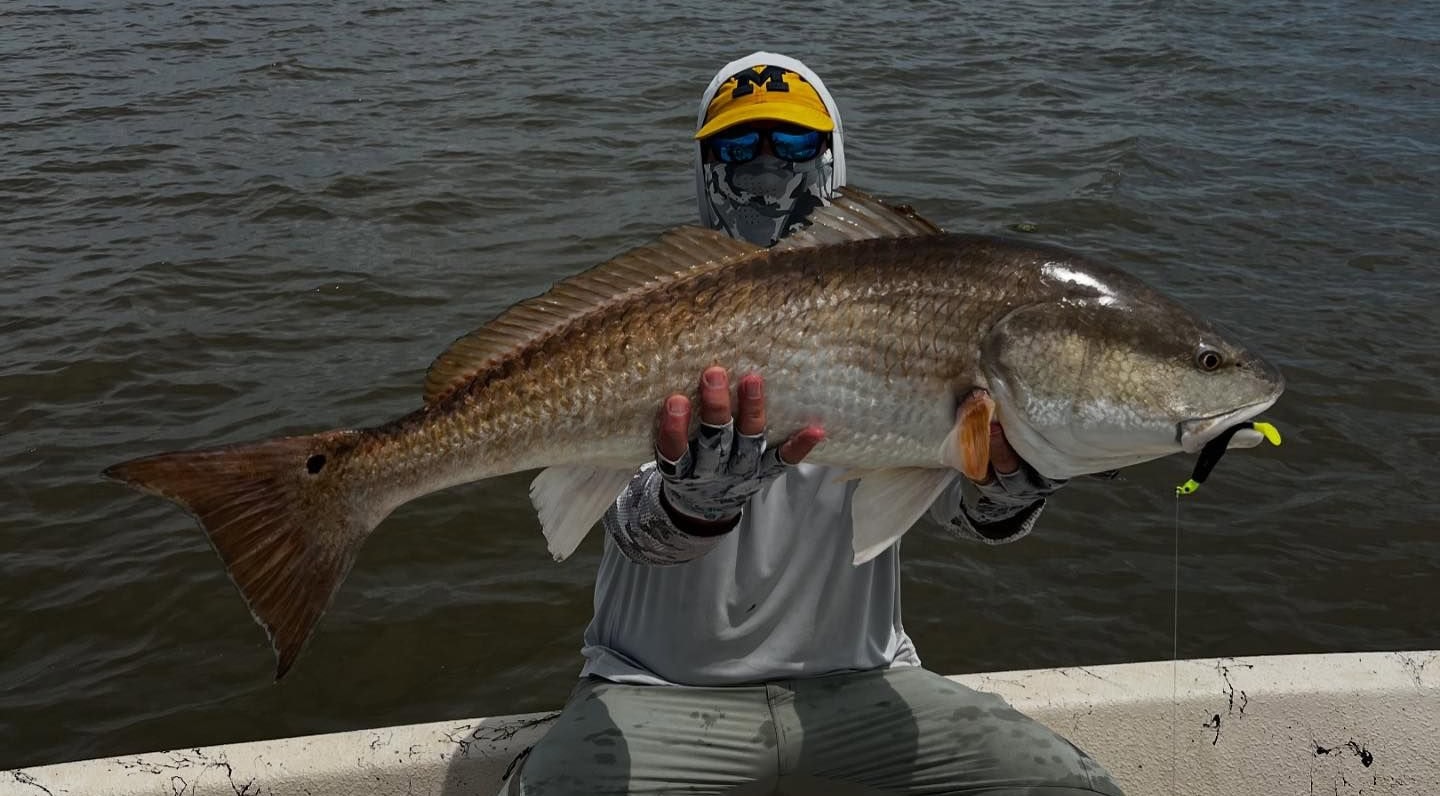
x: 872, y: 341
x: 901, y: 341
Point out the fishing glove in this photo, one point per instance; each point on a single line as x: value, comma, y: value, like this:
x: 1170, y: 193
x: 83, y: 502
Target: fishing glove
x: 1005, y: 509
x: 718, y: 473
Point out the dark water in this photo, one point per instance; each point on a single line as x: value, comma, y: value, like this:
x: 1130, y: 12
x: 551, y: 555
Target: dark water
x: 220, y: 222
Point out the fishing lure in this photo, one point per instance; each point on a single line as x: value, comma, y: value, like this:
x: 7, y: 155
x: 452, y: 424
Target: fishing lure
x: 1215, y: 448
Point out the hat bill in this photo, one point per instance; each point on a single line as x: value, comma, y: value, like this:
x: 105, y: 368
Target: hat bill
x: 767, y: 111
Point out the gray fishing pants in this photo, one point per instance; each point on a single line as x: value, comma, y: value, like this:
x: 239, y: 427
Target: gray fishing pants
x: 895, y: 731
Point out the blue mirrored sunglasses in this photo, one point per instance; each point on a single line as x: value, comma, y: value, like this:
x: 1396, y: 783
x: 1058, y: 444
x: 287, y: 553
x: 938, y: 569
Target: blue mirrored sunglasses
x: 740, y: 145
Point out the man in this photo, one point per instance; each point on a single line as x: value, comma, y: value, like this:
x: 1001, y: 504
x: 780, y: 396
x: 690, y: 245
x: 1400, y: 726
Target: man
x: 735, y: 648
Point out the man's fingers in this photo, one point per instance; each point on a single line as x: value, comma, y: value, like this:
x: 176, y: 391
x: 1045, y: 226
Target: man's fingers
x: 800, y: 444
x: 674, y: 436
x: 751, y: 417
x: 1003, y: 458
x: 715, y: 396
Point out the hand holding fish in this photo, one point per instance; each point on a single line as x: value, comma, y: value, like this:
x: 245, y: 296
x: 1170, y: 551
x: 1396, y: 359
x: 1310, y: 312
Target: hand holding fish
x: 1003, y: 458
x: 709, y: 478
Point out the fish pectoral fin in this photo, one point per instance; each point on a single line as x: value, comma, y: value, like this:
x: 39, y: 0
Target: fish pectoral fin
x: 571, y: 499
x: 888, y: 502
x: 969, y: 442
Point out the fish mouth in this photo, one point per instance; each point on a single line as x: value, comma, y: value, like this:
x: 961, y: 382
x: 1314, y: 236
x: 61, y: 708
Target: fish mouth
x: 1195, y: 432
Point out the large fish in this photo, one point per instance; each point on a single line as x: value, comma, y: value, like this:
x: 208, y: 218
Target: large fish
x: 872, y: 323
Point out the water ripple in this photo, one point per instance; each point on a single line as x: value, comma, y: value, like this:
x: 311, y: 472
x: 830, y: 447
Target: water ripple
x: 222, y: 221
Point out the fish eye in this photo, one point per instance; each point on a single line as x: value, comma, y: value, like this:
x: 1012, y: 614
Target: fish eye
x: 1209, y: 359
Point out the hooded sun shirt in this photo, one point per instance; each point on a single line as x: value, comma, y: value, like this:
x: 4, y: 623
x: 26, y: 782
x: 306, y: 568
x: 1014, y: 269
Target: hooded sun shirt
x: 778, y: 597
x: 763, y: 199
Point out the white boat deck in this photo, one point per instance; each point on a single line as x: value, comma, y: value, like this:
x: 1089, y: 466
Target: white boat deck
x: 1340, y: 724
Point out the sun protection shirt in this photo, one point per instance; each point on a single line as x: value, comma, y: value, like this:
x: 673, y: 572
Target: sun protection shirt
x: 778, y: 596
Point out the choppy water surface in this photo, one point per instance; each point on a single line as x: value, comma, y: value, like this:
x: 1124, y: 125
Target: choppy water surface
x: 220, y: 222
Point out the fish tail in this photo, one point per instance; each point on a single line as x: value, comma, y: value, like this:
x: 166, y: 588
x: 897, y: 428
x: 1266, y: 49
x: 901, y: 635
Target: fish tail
x: 287, y: 517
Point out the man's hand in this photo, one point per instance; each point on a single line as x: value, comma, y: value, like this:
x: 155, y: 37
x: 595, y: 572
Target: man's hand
x: 1003, y: 458
x: 1011, y: 493
x: 709, y: 478
x: 981, y: 450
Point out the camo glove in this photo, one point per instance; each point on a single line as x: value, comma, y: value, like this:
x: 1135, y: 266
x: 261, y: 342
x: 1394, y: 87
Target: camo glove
x: 1006, y: 507
x: 718, y: 473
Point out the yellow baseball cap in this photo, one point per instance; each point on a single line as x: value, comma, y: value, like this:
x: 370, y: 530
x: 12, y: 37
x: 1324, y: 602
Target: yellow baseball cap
x: 765, y: 92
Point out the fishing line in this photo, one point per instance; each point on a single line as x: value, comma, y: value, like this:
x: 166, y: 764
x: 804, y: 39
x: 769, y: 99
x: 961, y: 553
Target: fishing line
x: 1175, y: 659
x: 1209, y: 457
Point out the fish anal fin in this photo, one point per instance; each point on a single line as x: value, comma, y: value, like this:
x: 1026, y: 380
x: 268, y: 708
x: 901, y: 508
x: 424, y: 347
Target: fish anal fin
x: 282, y: 516
x: 570, y: 499
x: 888, y: 502
x: 677, y: 253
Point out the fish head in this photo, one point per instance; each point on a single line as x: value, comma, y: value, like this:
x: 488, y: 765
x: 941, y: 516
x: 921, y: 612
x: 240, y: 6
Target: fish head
x: 1116, y: 374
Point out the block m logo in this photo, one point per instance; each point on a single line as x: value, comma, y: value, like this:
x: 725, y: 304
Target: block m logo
x: 771, y: 77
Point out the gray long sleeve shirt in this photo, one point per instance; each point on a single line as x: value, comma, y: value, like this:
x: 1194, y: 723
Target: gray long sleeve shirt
x: 777, y: 596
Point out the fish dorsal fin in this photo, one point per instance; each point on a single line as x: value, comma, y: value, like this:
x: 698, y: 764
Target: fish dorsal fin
x: 855, y: 215
x: 676, y: 253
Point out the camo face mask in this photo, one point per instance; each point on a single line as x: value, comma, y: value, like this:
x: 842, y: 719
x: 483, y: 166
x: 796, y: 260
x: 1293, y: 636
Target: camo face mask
x: 760, y: 200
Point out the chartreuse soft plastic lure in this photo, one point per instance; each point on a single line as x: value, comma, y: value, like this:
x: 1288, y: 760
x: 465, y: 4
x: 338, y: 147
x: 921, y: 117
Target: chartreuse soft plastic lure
x: 1215, y: 448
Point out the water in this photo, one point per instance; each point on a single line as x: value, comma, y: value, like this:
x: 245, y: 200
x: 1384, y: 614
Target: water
x: 221, y: 222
